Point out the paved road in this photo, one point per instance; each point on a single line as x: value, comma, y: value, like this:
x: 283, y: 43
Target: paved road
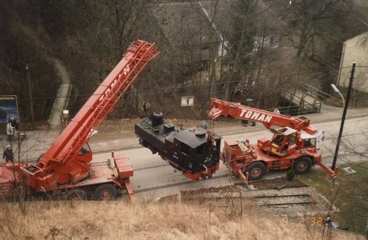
x: 154, y: 177
x: 38, y: 141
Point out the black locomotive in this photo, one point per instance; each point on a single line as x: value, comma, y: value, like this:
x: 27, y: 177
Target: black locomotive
x: 195, y: 152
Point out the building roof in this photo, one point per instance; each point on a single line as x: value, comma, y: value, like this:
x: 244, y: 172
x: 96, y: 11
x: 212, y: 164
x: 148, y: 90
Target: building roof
x: 363, y: 36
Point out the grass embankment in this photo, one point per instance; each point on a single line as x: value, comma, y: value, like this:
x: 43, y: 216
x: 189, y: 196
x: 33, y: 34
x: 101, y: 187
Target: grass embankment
x: 350, y: 195
x: 119, y: 220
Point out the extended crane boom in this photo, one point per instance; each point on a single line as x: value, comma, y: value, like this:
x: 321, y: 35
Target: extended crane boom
x: 287, y: 149
x: 268, y: 119
x: 61, y: 164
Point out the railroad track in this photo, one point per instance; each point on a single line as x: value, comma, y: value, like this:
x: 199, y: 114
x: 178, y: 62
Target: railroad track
x: 152, y: 167
x: 177, y: 184
x: 266, y: 184
x: 284, y: 200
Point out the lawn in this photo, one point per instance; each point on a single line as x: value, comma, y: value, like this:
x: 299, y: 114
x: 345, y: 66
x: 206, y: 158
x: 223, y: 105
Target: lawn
x: 349, y: 194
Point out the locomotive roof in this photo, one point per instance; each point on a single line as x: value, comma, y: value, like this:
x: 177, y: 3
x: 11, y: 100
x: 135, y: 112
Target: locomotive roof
x: 193, y: 138
x: 189, y: 137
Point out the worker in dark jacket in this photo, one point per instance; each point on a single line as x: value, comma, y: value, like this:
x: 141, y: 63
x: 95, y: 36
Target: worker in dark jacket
x: 8, y: 154
x: 290, y: 174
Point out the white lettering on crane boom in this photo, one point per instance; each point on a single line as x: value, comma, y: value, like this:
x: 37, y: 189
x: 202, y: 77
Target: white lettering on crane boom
x: 256, y: 116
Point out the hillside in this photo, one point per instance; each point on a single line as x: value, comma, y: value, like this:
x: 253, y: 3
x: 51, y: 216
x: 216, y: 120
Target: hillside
x: 270, y: 47
x: 119, y: 220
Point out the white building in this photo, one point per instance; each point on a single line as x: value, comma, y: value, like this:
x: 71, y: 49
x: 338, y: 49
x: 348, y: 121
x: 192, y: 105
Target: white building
x: 355, y: 50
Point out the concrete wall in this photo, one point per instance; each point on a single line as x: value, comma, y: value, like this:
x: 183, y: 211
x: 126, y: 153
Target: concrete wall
x: 355, y: 50
x: 63, y: 94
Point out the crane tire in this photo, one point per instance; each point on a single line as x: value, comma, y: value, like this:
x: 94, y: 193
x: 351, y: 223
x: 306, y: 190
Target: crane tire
x: 106, y: 192
x: 76, y: 194
x: 302, y: 165
x: 256, y: 170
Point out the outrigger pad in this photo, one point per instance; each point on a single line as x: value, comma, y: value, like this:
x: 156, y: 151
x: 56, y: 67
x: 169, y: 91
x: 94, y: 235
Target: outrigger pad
x: 125, y: 170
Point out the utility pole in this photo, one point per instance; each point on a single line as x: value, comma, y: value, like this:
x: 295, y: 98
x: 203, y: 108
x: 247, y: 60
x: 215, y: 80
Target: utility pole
x: 30, y: 95
x: 344, y: 116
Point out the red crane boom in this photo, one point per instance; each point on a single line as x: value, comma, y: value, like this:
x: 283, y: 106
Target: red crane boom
x: 287, y: 148
x: 61, y: 163
x: 268, y: 119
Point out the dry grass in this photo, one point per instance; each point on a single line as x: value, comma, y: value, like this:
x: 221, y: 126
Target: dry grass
x: 119, y: 220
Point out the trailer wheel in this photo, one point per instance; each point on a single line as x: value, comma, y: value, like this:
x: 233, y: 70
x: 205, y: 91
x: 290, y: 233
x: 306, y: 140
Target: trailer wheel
x: 302, y: 165
x: 256, y: 170
x: 76, y: 194
x: 106, y: 192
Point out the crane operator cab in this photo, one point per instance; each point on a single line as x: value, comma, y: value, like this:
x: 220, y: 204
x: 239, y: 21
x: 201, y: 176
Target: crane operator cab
x: 85, y: 153
x: 85, y: 150
x: 313, y: 141
x: 284, y: 141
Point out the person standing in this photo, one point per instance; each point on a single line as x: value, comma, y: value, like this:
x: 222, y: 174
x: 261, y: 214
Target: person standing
x: 14, y: 123
x: 10, y: 131
x: 8, y: 154
x: 290, y: 173
x: 146, y: 108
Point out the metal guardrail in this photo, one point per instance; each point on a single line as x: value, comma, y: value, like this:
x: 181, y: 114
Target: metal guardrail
x: 315, y: 92
x: 302, y: 100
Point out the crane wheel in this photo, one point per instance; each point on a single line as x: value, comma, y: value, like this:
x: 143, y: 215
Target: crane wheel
x: 106, y: 192
x: 302, y: 165
x: 256, y: 170
x: 76, y: 194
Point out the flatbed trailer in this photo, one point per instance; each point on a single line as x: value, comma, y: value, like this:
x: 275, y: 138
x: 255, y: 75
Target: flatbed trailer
x: 106, y: 180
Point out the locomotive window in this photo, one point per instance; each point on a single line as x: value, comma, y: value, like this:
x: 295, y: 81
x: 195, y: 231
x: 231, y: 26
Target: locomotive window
x: 200, y: 149
x: 185, y: 148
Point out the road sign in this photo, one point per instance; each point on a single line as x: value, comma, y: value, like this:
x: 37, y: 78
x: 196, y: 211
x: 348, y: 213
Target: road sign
x: 187, y: 101
x: 8, y: 108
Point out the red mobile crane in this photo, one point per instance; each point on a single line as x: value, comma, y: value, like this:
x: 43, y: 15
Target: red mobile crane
x: 66, y: 166
x: 287, y: 147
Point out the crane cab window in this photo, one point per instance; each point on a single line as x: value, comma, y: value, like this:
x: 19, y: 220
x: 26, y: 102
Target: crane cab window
x: 278, y: 139
x: 292, y: 139
x: 85, y: 149
x: 309, y: 142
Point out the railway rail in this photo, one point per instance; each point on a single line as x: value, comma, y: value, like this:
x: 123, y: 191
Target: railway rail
x: 284, y: 200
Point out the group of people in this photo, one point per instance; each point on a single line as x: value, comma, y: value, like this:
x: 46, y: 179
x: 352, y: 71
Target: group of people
x: 11, y: 129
